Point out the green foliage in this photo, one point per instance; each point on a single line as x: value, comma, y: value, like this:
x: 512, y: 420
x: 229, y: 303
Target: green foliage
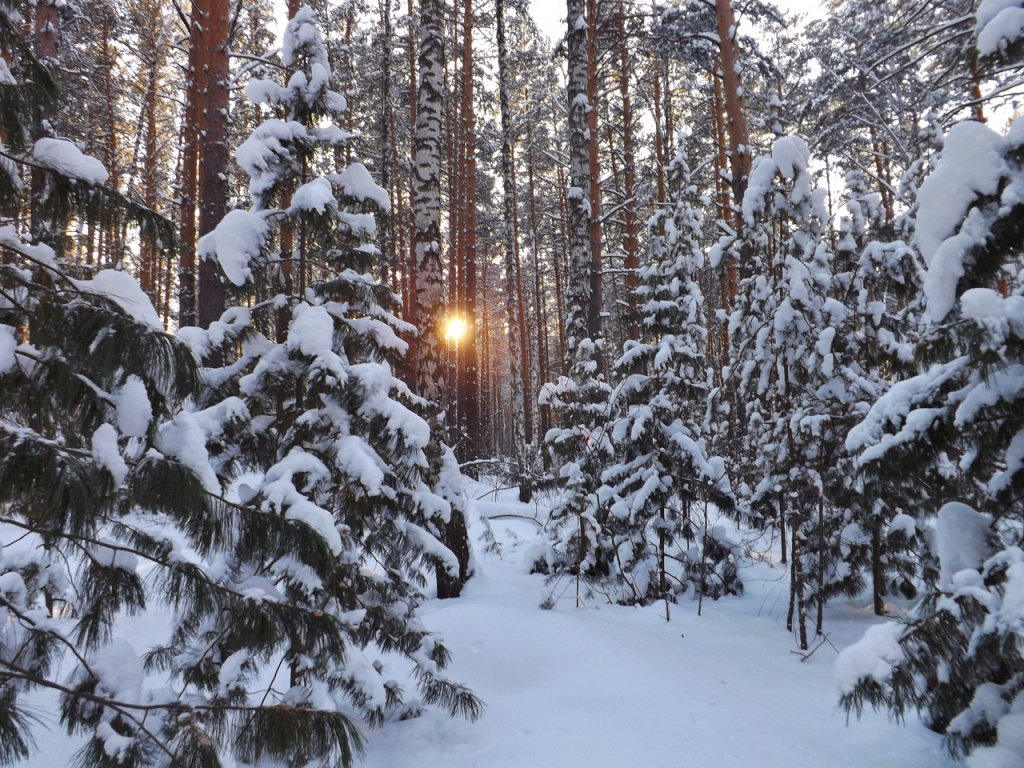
x: 954, y: 430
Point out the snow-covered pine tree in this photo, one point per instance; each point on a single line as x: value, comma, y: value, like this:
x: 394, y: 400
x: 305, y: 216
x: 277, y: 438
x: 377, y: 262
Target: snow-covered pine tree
x: 340, y: 445
x: 786, y: 373
x: 579, y: 448
x: 958, y: 656
x: 878, y: 279
x: 96, y: 469
x: 663, y: 475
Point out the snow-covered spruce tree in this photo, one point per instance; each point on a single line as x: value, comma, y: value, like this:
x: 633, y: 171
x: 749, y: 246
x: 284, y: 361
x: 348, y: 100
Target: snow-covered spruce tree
x: 786, y: 376
x: 580, y: 544
x: 878, y: 279
x: 958, y: 657
x: 579, y: 449
x: 663, y: 475
x: 339, y: 445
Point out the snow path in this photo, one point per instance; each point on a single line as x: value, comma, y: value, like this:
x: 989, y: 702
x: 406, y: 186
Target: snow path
x: 613, y: 687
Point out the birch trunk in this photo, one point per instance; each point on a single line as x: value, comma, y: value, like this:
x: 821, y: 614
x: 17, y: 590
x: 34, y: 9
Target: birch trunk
x: 582, y: 284
x: 430, y: 308
x: 426, y: 202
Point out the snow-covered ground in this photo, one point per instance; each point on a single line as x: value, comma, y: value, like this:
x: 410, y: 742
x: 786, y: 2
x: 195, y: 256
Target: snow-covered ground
x: 611, y: 687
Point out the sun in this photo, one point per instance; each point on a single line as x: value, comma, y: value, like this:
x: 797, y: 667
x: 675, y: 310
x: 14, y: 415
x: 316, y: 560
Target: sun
x: 455, y: 329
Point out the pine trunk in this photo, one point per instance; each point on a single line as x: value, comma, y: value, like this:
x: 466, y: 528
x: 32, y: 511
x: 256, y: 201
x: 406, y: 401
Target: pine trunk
x: 195, y: 91
x: 46, y: 32
x: 630, y: 240
x: 213, y: 198
x: 512, y: 303
x: 735, y: 101
x: 469, y: 403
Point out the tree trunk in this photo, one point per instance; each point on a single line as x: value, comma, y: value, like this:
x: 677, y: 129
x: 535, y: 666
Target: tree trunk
x: 630, y: 240
x: 877, y: 572
x: 426, y: 203
x: 556, y: 258
x: 512, y: 303
x: 735, y: 101
x: 782, y: 536
x: 385, y: 239
x: 195, y: 92
x: 213, y: 199
x: 430, y: 308
x: 820, y: 617
x: 583, y: 289
x: 594, y: 308
x: 469, y: 405
x: 797, y: 596
x: 46, y: 32
x: 540, y: 306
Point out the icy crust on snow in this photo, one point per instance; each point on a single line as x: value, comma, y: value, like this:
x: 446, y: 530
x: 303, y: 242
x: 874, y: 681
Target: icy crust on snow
x: 1000, y: 23
x: 963, y: 539
x: 311, y: 333
x: 1007, y: 616
x: 125, y: 291
x: 987, y: 707
x: 790, y: 159
x: 228, y: 328
x: 68, y: 160
x: 1014, y: 458
x: 263, y: 91
x: 119, y: 676
x: 1005, y: 384
x: 972, y: 164
x: 989, y: 9
x: 235, y: 242
x: 904, y: 524
x: 430, y: 546
x: 113, y: 556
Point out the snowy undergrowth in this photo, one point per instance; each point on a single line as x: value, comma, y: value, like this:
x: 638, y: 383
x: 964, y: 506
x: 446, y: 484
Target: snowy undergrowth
x: 609, y: 687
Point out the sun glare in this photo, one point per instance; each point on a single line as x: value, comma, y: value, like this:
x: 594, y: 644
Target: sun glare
x: 455, y: 329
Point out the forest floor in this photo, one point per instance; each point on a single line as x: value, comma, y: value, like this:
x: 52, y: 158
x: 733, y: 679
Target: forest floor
x: 606, y: 686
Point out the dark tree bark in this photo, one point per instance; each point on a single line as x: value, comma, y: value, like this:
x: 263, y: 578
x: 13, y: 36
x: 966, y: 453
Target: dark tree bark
x: 513, y: 303
x: 213, y: 197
